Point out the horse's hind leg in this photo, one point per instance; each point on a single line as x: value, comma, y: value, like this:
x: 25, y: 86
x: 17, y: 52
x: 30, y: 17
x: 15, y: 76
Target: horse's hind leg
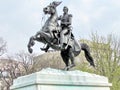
x: 65, y: 59
x: 72, y: 57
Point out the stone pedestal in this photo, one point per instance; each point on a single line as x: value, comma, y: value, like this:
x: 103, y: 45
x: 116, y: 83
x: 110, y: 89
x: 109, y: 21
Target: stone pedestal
x: 52, y: 79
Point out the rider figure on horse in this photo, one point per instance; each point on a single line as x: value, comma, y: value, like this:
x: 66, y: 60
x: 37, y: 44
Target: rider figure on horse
x: 65, y: 33
x: 60, y: 37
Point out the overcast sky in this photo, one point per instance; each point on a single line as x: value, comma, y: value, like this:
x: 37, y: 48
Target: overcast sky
x: 20, y: 19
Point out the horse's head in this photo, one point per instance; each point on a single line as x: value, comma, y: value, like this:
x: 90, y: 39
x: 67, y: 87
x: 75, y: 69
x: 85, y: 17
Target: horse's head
x: 51, y: 9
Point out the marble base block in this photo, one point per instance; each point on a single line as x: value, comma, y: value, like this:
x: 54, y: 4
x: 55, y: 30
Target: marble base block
x: 53, y: 79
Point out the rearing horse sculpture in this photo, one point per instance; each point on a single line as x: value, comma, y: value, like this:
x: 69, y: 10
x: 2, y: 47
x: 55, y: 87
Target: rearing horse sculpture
x: 49, y: 35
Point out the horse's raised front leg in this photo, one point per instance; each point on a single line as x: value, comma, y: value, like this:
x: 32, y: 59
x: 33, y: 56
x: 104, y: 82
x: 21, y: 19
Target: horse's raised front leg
x: 30, y: 44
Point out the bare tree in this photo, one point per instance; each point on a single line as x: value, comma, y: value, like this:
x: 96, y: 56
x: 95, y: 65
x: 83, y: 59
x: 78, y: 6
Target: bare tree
x: 8, y: 72
x: 2, y: 46
x: 13, y: 69
x: 26, y: 62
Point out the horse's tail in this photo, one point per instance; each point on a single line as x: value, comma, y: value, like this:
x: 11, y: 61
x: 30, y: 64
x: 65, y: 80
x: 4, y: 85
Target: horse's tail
x: 88, y: 56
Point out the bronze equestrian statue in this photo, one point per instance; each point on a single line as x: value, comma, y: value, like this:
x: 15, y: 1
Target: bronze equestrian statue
x: 60, y: 37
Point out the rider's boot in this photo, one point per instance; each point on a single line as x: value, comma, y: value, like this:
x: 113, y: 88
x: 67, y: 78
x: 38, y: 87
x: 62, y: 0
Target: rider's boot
x: 45, y: 49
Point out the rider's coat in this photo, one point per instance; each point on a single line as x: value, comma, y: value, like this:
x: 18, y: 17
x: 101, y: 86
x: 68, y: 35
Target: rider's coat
x: 65, y: 34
